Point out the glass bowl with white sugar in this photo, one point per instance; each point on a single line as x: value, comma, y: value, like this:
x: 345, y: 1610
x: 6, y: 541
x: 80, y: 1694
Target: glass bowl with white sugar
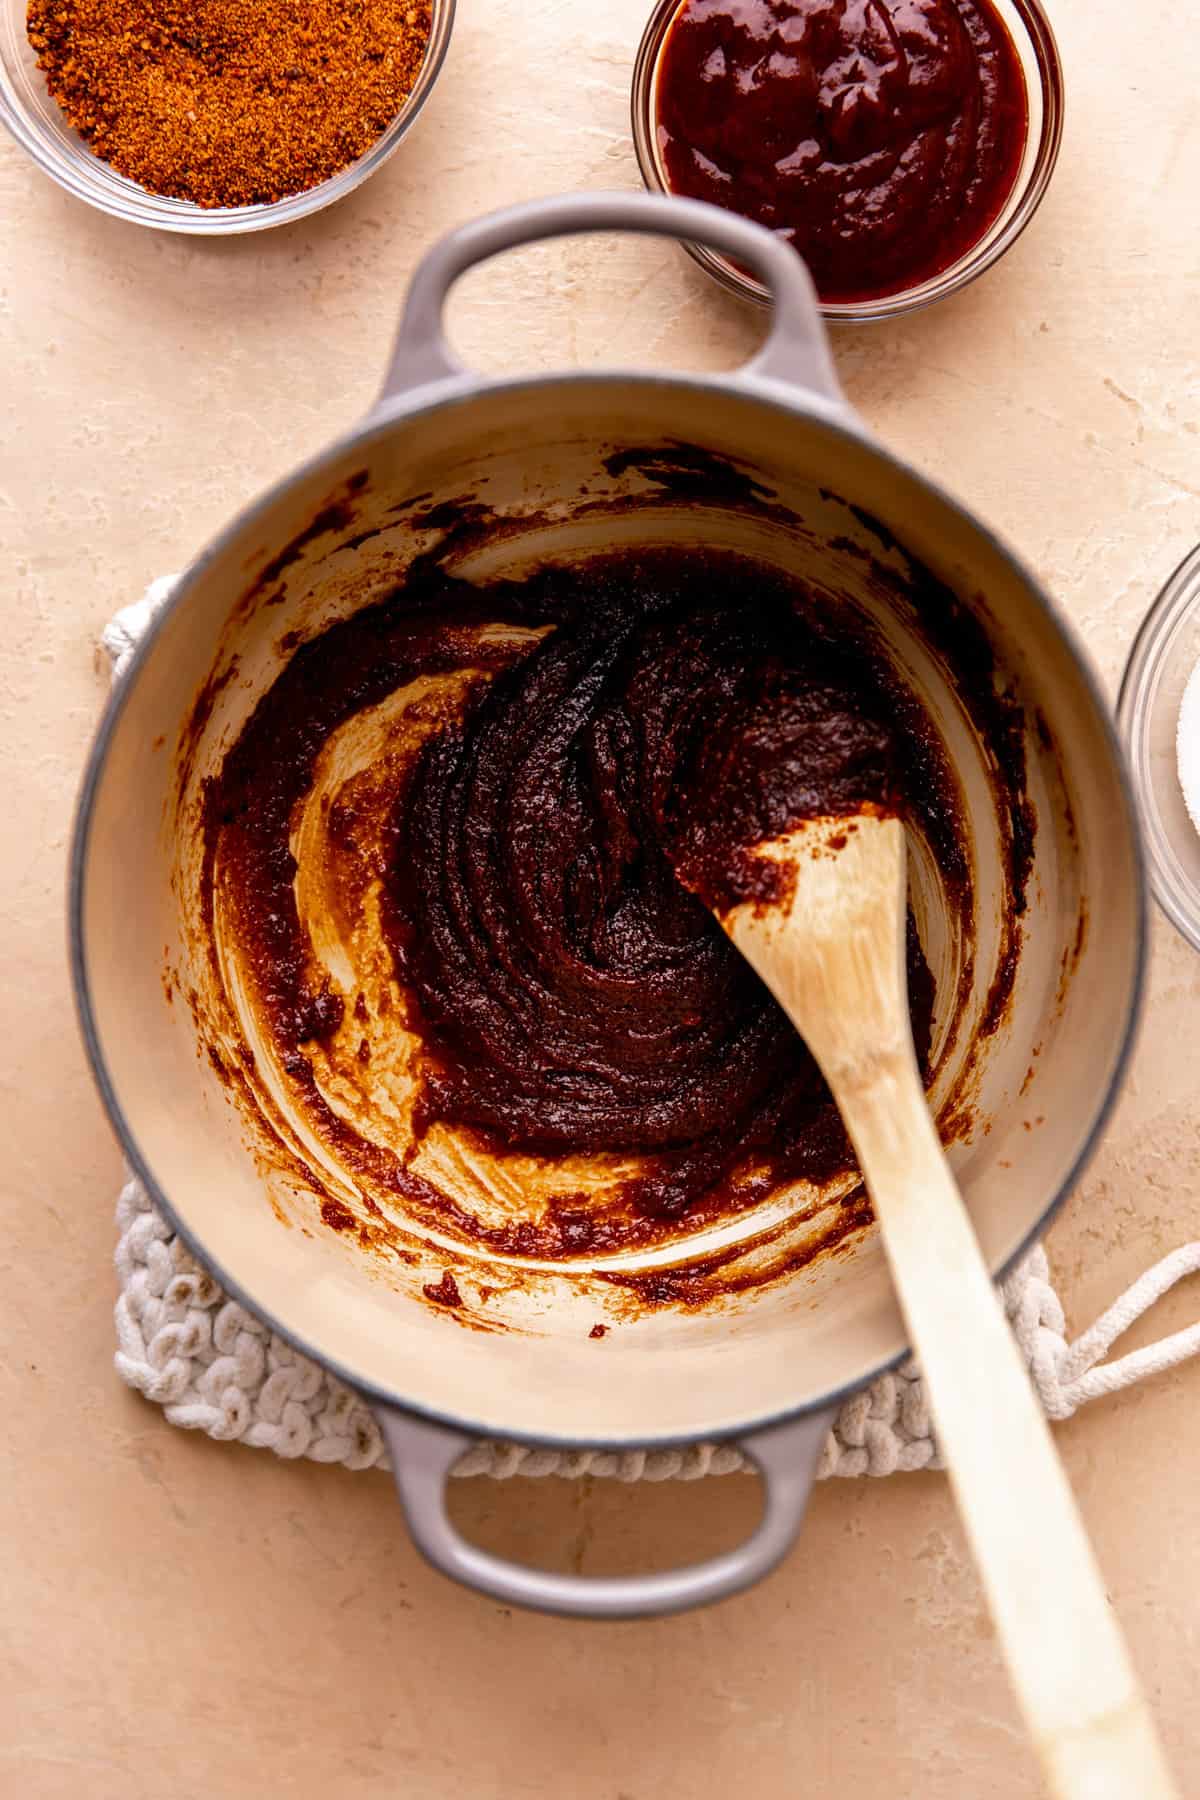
x: 1159, y: 719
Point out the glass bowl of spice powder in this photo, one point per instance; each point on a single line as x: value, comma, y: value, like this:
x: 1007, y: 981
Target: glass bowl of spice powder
x: 216, y: 116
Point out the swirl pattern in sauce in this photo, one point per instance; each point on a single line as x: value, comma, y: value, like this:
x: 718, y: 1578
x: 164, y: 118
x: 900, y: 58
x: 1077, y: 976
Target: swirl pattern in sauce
x: 441, y: 874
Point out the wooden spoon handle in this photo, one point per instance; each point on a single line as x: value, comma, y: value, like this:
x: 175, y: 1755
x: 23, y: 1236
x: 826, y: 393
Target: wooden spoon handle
x: 1090, y: 1724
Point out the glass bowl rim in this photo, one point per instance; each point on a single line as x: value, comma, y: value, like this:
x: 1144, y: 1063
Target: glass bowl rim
x: 973, y: 263
x: 1178, y: 597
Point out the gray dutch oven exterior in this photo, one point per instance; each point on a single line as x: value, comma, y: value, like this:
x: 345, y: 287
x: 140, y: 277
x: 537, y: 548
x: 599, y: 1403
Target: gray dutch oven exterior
x: 794, y: 370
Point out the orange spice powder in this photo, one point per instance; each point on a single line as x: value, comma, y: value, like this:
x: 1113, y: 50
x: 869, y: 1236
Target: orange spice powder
x: 229, y: 102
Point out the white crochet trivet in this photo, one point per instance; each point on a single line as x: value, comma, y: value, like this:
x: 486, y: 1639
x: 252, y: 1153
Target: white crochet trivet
x: 213, y: 1367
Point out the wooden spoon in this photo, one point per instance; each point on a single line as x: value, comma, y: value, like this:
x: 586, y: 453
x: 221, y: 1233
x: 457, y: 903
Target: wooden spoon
x: 832, y: 952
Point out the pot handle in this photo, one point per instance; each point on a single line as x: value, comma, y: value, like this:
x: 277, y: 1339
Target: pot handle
x: 423, y: 1455
x: 796, y: 349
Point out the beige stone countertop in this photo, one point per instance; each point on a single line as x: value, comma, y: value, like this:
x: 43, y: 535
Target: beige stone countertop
x: 185, y: 1618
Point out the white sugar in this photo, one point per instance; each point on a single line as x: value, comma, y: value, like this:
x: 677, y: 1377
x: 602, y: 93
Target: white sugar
x: 1187, y: 745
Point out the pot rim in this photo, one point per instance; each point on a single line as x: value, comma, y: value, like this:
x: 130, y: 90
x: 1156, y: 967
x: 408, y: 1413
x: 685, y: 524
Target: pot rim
x: 409, y: 407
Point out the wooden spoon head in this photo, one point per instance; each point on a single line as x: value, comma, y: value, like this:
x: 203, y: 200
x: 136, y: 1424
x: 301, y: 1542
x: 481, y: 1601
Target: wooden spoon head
x: 828, y: 937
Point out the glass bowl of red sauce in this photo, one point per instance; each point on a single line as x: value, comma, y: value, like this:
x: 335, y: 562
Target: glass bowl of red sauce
x: 901, y: 145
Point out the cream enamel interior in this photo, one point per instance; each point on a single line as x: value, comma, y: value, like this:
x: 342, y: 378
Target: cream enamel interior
x: 1041, y: 1081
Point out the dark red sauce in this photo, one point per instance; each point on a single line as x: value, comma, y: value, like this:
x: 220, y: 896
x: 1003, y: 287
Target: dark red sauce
x: 880, y: 137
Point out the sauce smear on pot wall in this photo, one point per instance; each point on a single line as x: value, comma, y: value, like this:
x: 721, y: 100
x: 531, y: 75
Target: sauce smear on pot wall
x: 880, y: 137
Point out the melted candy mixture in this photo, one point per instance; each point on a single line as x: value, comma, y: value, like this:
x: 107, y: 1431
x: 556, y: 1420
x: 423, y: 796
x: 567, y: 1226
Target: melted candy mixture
x: 481, y: 797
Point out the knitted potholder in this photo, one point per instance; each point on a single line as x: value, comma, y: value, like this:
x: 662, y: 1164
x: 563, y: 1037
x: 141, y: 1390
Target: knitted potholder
x: 213, y: 1367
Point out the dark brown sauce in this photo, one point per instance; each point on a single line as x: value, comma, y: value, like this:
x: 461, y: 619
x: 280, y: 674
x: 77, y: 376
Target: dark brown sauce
x: 249, y: 808
x: 880, y: 137
x: 337, y: 1216
x: 444, y: 1292
x: 572, y: 995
